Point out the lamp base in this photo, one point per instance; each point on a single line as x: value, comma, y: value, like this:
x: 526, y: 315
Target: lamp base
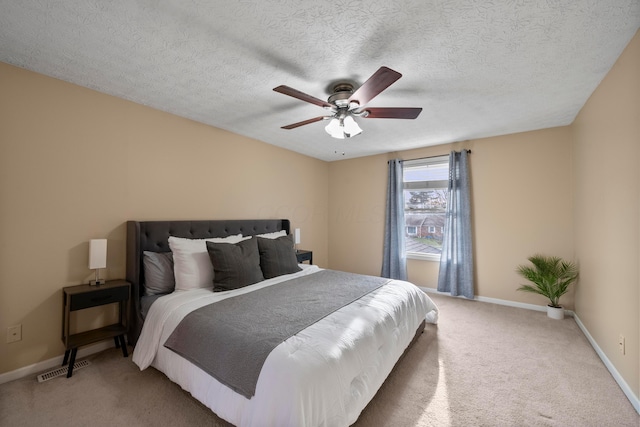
x: 98, y: 280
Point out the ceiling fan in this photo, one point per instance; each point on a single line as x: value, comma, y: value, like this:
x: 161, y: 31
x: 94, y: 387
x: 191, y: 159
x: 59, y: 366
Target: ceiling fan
x: 345, y: 104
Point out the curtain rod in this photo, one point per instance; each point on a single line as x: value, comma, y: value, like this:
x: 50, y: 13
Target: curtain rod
x: 429, y: 157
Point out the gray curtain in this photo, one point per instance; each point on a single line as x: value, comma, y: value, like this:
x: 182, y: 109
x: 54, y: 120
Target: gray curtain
x: 456, y: 261
x: 394, y: 261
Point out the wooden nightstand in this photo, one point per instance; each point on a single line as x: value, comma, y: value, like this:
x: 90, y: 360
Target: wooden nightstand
x: 303, y: 256
x: 87, y: 296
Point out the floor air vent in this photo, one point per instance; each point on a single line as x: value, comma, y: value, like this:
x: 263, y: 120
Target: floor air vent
x: 62, y: 371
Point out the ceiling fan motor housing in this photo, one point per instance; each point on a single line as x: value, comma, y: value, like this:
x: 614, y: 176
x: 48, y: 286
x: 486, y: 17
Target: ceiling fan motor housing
x: 341, y: 94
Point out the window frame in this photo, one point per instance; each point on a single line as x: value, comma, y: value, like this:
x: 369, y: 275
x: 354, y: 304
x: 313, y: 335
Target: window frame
x: 422, y: 185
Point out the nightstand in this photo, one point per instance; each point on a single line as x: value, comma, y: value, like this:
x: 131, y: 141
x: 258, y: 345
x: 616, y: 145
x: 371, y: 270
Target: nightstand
x: 87, y: 296
x: 303, y: 256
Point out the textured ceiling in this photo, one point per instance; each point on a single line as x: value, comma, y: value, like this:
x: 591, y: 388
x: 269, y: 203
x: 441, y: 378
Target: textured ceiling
x: 477, y: 68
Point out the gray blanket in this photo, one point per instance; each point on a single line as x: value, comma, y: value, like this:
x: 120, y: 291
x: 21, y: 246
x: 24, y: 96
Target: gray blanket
x: 232, y: 338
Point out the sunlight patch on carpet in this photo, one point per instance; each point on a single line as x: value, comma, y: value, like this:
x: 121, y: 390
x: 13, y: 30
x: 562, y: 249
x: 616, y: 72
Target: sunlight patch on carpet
x: 438, y: 408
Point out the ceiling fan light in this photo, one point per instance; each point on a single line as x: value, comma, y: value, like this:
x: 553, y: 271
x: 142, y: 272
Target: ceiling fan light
x: 351, y: 128
x: 335, y: 129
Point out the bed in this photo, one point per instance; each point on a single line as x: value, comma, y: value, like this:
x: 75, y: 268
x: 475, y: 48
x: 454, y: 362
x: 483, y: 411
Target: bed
x: 323, y: 375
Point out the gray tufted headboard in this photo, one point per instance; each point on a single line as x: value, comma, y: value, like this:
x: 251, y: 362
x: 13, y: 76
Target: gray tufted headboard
x: 154, y: 236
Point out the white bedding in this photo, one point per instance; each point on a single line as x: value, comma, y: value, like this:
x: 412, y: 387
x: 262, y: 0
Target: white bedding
x: 323, y: 376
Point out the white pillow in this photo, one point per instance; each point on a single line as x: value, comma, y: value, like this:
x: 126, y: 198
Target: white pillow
x: 192, y: 267
x: 273, y: 235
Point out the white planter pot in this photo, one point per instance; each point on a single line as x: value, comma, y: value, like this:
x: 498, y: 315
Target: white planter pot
x: 555, y: 312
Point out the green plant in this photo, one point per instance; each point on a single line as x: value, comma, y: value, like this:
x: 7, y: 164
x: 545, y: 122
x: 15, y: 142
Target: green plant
x: 550, y: 275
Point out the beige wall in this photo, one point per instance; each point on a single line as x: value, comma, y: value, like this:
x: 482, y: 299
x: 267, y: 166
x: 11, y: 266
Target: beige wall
x: 521, y: 198
x: 76, y: 164
x: 607, y: 213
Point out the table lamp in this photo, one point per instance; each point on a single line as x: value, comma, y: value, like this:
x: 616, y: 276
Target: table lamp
x: 97, y: 258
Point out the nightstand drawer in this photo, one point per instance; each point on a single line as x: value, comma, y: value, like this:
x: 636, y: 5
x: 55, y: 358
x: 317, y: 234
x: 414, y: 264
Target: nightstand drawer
x: 98, y: 297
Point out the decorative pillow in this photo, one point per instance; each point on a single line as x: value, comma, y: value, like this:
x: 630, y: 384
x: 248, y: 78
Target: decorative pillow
x: 158, y: 273
x: 191, y: 265
x: 235, y: 265
x: 273, y: 235
x: 277, y: 256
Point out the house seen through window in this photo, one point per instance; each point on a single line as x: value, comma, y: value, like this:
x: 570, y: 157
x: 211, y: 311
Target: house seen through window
x: 425, y: 202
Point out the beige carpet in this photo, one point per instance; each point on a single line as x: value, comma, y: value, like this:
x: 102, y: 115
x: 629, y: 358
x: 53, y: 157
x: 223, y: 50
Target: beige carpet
x: 483, y: 365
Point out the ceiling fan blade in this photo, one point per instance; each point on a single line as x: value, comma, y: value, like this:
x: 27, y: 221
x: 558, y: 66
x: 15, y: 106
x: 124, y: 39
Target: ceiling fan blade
x: 302, y: 96
x: 306, y: 122
x: 392, y: 113
x: 379, y: 81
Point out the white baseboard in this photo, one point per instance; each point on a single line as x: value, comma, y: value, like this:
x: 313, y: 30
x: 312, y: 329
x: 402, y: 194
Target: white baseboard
x: 496, y: 301
x: 36, y: 368
x: 614, y: 372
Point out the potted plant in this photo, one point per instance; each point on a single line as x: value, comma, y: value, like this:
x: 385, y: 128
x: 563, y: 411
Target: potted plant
x: 551, y: 277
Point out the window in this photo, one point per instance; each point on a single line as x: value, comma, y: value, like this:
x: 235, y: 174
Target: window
x: 425, y: 201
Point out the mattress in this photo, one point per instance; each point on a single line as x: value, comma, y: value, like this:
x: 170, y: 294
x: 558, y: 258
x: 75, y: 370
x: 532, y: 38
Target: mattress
x: 323, y: 376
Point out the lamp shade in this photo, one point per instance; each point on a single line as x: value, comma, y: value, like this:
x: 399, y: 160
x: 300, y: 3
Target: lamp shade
x: 335, y: 129
x: 350, y: 127
x: 97, y: 253
x: 296, y: 236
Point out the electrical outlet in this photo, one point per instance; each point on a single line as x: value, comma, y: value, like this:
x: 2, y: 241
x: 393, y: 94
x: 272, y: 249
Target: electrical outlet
x: 621, y: 343
x: 14, y: 333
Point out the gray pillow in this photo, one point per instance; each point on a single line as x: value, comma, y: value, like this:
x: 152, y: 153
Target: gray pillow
x: 277, y: 256
x: 234, y: 265
x: 158, y: 273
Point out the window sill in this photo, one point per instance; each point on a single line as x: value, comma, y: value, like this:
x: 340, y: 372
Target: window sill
x: 424, y: 257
